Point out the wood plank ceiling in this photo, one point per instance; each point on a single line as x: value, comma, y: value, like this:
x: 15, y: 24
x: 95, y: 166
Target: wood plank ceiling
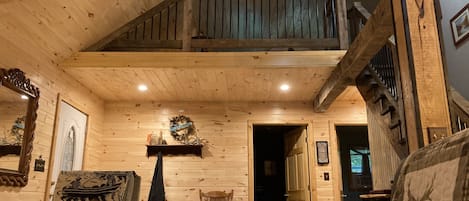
x: 58, y: 29
x: 55, y: 29
x: 204, y: 76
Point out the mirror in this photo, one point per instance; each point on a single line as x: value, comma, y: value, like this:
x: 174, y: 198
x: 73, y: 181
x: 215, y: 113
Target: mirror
x: 13, y: 110
x: 18, y: 106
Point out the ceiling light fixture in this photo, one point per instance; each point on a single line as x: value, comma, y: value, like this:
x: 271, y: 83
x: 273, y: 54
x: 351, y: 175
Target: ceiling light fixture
x: 142, y: 87
x: 284, y: 87
x: 24, y: 97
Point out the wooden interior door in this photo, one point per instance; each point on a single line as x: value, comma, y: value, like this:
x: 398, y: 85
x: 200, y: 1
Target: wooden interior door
x: 69, y: 142
x: 296, y: 165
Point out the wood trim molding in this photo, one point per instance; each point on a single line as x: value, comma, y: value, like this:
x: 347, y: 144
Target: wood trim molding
x: 285, y: 59
x: 336, y: 176
x: 250, y: 127
x: 58, y: 109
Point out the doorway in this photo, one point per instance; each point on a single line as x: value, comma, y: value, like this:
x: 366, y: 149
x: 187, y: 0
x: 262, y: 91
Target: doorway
x: 355, y: 161
x: 280, y: 163
x: 69, y: 142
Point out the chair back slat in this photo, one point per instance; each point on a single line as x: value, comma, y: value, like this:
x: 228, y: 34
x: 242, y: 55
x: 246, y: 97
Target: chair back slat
x: 216, y: 196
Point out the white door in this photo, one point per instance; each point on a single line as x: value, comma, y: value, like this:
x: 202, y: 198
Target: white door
x: 296, y: 165
x: 69, y: 143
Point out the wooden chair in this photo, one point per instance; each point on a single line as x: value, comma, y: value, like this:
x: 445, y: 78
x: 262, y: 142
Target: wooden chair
x: 216, y: 196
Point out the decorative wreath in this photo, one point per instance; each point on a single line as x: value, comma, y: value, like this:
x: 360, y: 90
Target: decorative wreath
x: 182, y: 129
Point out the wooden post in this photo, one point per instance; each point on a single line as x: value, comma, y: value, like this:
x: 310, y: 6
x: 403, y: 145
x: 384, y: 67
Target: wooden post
x: 422, y: 74
x: 187, y: 27
x: 342, y: 30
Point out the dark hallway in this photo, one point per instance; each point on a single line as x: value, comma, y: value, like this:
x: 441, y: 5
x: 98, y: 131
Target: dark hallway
x: 269, y: 165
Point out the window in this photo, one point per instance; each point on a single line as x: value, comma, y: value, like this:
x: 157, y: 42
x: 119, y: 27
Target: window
x: 357, y: 160
x: 69, y: 150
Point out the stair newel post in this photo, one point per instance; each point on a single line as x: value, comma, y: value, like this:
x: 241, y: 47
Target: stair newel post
x: 342, y: 30
x: 421, y: 70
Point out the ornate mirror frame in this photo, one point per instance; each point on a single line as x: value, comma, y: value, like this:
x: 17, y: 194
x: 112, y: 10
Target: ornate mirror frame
x: 15, y: 80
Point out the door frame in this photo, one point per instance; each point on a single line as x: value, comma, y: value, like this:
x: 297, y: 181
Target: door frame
x: 335, y: 155
x: 58, y: 109
x: 309, y: 135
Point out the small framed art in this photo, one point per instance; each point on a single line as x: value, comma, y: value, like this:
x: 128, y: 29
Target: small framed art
x: 322, y: 152
x: 460, y: 25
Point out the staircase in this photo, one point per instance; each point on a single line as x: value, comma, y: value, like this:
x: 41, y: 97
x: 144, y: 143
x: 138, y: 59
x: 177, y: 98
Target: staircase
x: 459, y: 111
x: 379, y: 84
x: 383, y: 106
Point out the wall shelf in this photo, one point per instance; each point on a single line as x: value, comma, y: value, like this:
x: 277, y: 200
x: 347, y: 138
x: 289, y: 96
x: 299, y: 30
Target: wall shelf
x: 182, y: 149
x: 10, y: 149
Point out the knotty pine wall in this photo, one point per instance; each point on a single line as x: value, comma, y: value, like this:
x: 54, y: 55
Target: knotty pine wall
x: 224, y: 165
x: 51, y: 82
x: 37, y: 35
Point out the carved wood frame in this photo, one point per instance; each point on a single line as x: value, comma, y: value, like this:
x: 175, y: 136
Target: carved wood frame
x: 15, y: 80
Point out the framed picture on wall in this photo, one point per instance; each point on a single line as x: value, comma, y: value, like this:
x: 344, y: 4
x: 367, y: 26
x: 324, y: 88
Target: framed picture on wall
x: 322, y: 152
x: 460, y: 25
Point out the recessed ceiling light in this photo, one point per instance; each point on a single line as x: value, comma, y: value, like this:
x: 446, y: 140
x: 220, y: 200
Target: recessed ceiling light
x: 142, y: 87
x: 284, y: 87
x: 24, y: 97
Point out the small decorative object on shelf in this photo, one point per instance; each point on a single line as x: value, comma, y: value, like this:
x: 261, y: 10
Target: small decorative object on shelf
x: 153, y: 139
x: 182, y: 129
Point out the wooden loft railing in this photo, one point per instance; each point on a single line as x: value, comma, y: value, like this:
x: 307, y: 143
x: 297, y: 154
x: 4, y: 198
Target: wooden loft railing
x: 220, y: 25
x: 459, y: 111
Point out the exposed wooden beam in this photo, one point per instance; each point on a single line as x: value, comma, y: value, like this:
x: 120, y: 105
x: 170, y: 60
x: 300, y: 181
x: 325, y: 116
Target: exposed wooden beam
x: 143, y: 45
x: 149, y: 45
x: 284, y: 59
x: 421, y: 68
x: 368, y: 42
x: 260, y: 43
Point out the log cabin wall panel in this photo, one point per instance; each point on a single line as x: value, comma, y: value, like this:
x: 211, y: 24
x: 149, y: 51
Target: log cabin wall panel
x: 35, y: 36
x: 224, y: 126
x: 51, y: 81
